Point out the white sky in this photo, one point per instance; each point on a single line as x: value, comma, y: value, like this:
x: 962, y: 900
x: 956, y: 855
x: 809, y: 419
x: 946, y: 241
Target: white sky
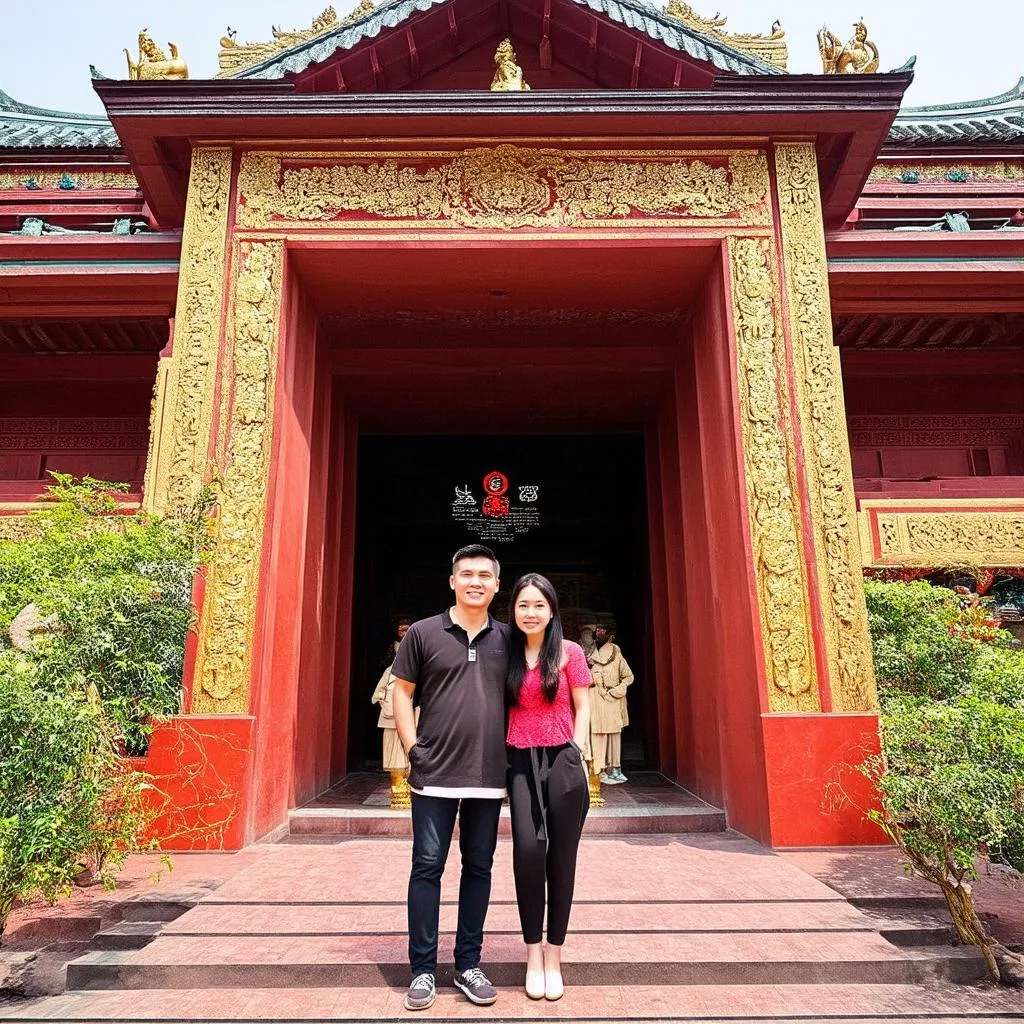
x: 46, y: 46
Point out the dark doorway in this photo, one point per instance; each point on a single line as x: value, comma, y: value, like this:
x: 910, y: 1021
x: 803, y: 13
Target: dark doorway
x: 586, y: 530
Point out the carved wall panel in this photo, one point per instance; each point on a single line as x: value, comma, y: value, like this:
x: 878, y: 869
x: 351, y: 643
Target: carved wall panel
x: 504, y: 187
x: 226, y: 636
x: 942, y: 534
x: 771, y: 479
x: 179, y: 469
x: 822, y: 429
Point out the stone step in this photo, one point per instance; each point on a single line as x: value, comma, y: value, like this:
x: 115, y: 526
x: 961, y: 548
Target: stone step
x: 127, y: 935
x: 907, y: 1004
x: 601, y: 959
x: 741, y: 916
x: 306, y: 822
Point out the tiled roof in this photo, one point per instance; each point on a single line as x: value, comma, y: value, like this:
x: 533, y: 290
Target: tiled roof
x: 635, y: 14
x: 25, y: 127
x: 997, y: 119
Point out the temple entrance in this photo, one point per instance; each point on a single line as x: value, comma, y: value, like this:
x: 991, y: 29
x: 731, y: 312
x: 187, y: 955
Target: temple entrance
x: 578, y: 514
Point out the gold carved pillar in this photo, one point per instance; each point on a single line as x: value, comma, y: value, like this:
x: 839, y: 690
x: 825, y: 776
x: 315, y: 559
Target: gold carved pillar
x: 771, y: 478
x: 821, y: 430
x: 186, y: 381
x: 224, y: 662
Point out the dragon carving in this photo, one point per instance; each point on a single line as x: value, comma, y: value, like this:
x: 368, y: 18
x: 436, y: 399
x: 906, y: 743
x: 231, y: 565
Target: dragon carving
x: 858, y: 57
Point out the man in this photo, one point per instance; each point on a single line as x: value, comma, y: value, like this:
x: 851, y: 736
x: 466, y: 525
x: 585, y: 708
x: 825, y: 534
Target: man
x: 455, y: 665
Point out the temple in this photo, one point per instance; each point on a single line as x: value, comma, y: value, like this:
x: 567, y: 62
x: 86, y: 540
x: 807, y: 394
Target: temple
x: 601, y: 284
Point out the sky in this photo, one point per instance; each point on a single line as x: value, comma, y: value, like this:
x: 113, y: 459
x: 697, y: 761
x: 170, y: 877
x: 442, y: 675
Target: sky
x: 46, y: 46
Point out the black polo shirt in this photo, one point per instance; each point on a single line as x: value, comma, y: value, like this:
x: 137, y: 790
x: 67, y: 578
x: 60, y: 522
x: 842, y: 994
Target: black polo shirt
x: 460, y: 690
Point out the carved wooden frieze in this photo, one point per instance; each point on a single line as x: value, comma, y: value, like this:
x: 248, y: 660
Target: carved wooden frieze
x: 771, y: 479
x: 226, y: 637
x: 943, y: 534
x: 86, y: 433
x: 504, y: 187
x: 819, y: 392
x: 178, y: 468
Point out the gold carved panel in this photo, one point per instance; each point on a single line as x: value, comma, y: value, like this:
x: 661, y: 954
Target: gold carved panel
x: 504, y: 187
x: 775, y: 526
x: 941, y: 534
x: 224, y: 664
x: 183, y: 412
x: 822, y: 430
x: 66, y: 181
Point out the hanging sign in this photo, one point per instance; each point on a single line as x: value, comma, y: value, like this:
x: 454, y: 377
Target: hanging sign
x: 501, y: 513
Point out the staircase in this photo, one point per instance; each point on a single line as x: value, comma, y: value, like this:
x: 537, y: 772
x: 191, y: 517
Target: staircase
x: 698, y: 927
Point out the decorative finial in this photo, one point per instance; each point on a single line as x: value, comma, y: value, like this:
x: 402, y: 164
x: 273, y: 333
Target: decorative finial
x: 771, y: 48
x: 153, y: 64
x: 858, y: 57
x: 508, y: 75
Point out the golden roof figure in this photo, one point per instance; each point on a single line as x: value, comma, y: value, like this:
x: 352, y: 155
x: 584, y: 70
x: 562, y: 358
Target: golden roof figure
x: 771, y: 48
x: 234, y: 56
x: 858, y: 57
x: 153, y: 64
x: 508, y: 75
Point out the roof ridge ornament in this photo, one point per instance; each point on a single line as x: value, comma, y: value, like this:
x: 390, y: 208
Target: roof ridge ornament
x: 153, y: 64
x: 234, y: 57
x: 858, y: 57
x: 508, y: 75
x: 770, y: 48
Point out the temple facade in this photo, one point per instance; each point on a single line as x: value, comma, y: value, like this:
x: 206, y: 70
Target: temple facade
x: 786, y: 312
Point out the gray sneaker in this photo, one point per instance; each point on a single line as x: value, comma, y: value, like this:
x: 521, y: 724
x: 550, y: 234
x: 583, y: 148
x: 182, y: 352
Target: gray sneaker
x: 473, y: 984
x: 421, y: 993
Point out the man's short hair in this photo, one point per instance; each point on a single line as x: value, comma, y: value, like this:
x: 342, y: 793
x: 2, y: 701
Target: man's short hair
x: 476, y: 551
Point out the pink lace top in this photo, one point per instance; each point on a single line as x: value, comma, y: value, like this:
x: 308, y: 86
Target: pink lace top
x: 533, y: 722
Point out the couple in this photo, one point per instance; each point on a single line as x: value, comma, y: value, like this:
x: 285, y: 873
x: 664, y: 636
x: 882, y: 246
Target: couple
x: 463, y: 669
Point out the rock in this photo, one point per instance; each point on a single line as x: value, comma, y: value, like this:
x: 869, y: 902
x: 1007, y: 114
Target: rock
x: 28, y: 625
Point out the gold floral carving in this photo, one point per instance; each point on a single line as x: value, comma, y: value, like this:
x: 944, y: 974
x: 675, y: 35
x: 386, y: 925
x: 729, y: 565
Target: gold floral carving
x: 941, y: 534
x: 71, y: 181
x: 818, y: 384
x: 226, y: 637
x: 504, y: 187
x: 771, y: 48
x: 770, y: 469
x: 931, y: 173
x: 181, y: 468
x: 159, y: 430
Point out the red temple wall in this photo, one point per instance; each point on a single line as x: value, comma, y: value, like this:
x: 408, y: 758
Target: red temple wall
x: 726, y: 683
x: 85, y: 427
x: 943, y: 424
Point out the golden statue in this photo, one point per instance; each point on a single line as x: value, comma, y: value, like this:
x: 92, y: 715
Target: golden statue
x: 153, y: 64
x: 771, y: 48
x: 508, y: 75
x: 234, y: 56
x: 858, y: 57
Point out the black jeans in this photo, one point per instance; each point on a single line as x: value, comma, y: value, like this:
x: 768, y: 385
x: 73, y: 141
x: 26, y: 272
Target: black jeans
x: 433, y: 822
x: 548, y: 795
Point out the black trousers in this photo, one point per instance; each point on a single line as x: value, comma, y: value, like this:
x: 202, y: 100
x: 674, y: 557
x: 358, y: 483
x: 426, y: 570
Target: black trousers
x: 433, y: 822
x: 549, y: 797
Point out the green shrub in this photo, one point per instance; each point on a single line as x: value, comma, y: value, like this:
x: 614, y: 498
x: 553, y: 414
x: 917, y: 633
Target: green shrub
x: 120, y: 587
x: 58, y: 769
x: 951, y: 774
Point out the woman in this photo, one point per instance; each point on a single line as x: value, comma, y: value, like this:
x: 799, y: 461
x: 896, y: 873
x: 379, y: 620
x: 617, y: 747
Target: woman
x: 549, y: 718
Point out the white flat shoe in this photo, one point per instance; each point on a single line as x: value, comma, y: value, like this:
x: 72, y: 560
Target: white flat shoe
x: 535, y: 984
x: 553, y: 986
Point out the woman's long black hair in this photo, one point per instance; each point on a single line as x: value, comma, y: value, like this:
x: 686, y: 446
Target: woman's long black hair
x: 551, y: 649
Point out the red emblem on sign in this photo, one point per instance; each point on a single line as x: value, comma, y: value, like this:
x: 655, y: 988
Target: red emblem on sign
x: 495, y: 485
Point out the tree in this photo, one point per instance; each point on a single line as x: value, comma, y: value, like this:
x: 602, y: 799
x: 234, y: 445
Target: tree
x: 951, y: 773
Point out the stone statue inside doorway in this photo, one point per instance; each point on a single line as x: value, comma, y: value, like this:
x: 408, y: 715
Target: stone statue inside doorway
x: 608, y: 714
x: 394, y: 760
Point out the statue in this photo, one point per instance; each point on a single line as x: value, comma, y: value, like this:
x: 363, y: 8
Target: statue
x: 394, y: 759
x: 153, y: 64
x: 608, y: 715
x: 858, y: 57
x: 508, y: 75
